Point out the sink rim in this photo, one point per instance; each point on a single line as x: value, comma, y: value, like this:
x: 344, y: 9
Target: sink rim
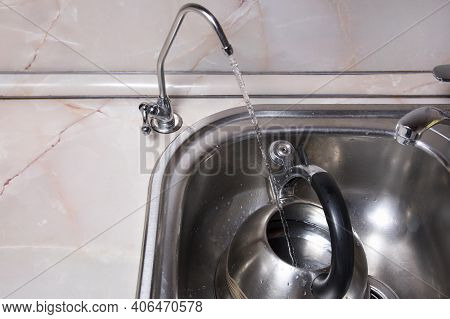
x: 223, y: 118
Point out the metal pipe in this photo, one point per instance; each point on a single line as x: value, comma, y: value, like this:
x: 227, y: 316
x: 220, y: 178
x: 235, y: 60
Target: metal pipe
x: 205, y: 13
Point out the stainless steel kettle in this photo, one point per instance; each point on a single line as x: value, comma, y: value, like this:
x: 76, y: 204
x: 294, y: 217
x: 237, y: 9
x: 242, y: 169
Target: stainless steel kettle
x: 331, y: 258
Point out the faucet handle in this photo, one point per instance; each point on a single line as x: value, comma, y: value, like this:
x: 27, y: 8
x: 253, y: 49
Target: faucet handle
x: 145, y: 110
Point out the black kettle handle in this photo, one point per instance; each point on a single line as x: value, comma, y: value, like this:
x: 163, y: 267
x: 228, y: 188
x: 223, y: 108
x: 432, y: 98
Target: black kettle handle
x: 336, y: 282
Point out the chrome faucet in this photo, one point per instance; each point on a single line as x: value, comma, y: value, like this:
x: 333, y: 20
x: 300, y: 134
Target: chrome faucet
x: 163, y: 119
x: 411, y: 126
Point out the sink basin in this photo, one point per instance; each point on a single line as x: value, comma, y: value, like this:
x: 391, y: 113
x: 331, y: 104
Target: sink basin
x: 212, y: 177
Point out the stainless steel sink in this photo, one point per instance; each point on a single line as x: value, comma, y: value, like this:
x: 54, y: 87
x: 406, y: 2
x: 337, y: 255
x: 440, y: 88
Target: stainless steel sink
x: 211, y: 177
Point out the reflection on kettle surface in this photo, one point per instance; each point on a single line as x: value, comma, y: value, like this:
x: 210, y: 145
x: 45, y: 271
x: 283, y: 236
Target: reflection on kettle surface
x: 257, y: 263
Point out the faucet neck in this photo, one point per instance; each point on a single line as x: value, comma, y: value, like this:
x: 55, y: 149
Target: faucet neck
x: 214, y: 23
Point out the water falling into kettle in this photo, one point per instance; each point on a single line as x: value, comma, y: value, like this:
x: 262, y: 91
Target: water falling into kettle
x: 257, y: 129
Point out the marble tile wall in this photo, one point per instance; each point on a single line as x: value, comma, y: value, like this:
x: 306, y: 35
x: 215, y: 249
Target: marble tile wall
x: 268, y: 35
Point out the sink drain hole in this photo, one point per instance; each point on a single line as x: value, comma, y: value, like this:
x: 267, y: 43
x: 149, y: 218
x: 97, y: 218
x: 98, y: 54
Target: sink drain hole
x: 379, y: 290
x: 376, y: 294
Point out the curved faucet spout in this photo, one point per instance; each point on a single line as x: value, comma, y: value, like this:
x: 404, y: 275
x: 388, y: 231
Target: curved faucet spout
x: 190, y: 7
x: 411, y: 126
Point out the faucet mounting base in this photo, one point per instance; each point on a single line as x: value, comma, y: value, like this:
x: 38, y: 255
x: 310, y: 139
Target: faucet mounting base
x: 167, y: 127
